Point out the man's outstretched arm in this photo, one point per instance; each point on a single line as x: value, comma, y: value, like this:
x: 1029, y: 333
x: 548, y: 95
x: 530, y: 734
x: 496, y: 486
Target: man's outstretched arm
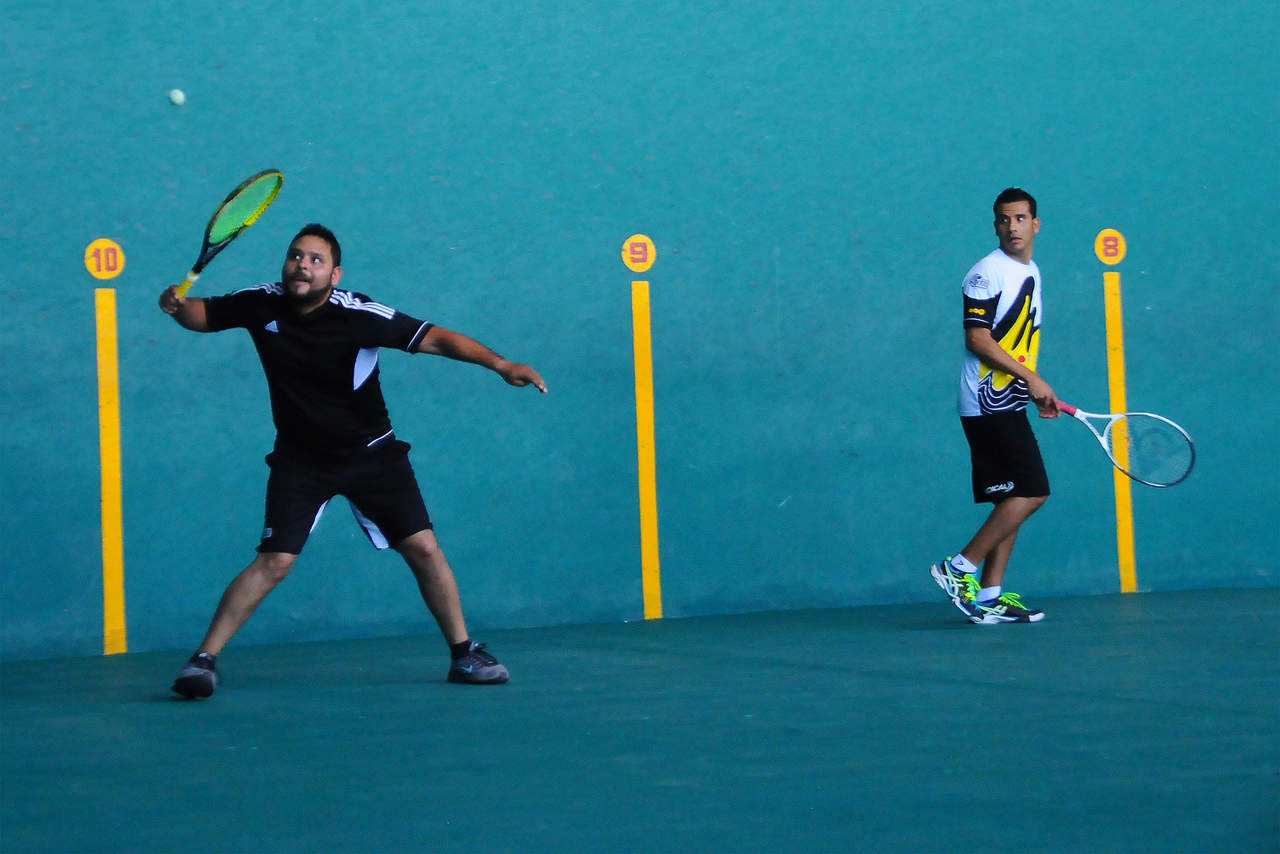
x: 454, y: 345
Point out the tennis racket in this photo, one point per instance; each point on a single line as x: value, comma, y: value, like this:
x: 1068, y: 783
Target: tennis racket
x: 238, y: 211
x: 1149, y: 448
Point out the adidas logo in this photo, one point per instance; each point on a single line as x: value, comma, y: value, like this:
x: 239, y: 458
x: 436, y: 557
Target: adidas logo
x: 271, y: 327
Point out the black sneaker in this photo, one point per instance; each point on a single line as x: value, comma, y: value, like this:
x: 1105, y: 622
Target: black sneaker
x: 1007, y: 609
x: 478, y: 667
x: 198, y: 678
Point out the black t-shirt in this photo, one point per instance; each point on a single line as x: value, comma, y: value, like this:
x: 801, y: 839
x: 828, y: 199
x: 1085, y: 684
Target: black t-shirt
x: 321, y: 367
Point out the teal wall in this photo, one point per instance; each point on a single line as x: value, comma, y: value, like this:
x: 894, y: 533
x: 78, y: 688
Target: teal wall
x: 817, y: 177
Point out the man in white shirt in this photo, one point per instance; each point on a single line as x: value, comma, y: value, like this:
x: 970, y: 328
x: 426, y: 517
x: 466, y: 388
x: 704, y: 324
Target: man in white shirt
x: 1002, y: 315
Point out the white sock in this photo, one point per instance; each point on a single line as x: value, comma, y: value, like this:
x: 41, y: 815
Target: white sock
x: 962, y: 565
x: 989, y: 594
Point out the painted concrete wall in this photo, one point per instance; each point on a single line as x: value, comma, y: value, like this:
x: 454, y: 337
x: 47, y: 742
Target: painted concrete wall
x: 817, y: 177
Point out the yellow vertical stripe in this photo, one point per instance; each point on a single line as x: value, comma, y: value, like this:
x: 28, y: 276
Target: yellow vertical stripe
x: 114, y: 634
x: 1115, y: 376
x: 645, y: 452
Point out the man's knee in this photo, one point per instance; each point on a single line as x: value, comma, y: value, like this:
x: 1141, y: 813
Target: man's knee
x: 419, y: 548
x: 1021, y: 505
x: 275, y: 565
x: 1035, y: 502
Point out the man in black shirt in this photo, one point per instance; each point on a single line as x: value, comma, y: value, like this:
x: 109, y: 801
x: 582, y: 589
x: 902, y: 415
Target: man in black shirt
x: 319, y: 349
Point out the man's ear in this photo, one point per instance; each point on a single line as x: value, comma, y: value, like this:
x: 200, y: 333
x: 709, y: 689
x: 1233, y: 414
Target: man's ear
x: 335, y: 276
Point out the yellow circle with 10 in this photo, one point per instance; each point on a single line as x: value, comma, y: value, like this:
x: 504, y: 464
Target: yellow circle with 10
x: 104, y: 259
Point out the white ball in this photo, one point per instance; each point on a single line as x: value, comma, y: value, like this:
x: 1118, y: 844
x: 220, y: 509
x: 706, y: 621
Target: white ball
x: 177, y: 96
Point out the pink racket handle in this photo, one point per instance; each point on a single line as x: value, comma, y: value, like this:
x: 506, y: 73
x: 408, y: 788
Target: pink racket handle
x: 1067, y: 408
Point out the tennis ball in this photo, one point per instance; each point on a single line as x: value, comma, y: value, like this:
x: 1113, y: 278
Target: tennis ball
x: 177, y: 96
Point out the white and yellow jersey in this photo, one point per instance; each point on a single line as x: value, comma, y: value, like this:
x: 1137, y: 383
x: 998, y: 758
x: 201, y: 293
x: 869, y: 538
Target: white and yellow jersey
x: 1003, y: 295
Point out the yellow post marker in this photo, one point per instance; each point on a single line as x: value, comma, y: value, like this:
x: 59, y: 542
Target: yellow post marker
x: 114, y: 632
x: 1110, y: 248
x: 639, y: 253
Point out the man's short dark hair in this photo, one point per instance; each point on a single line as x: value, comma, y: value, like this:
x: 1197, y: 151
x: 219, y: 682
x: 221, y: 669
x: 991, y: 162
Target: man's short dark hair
x: 315, y: 229
x: 1013, y: 194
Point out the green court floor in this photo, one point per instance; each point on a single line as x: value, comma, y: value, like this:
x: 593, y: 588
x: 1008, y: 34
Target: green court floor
x: 1121, y: 723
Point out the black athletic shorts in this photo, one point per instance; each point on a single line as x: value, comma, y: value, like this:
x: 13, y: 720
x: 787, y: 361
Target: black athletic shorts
x: 378, y: 483
x: 1006, y: 457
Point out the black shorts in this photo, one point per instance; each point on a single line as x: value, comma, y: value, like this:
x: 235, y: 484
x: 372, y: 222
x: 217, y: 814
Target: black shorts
x: 379, y: 484
x: 1006, y: 457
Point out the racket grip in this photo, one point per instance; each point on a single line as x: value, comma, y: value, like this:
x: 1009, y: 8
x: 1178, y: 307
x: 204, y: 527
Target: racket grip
x: 185, y: 284
x: 1067, y: 408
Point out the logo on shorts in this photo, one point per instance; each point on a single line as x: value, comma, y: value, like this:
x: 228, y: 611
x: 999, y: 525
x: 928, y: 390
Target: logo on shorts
x: 266, y: 533
x: 1007, y: 486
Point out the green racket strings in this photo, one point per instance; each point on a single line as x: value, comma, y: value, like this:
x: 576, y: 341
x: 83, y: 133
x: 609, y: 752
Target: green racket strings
x: 244, y: 206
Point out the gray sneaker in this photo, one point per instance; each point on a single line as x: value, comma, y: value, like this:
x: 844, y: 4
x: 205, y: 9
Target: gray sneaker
x: 198, y: 678
x: 962, y: 588
x: 478, y: 667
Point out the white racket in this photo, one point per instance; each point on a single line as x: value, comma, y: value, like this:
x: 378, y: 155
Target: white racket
x: 1147, y: 447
